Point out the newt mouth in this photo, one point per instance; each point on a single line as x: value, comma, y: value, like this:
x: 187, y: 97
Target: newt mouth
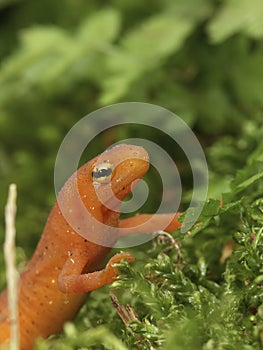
x: 122, y: 186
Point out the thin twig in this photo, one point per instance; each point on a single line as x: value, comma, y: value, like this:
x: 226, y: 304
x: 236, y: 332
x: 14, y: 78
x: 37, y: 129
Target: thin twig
x: 126, y: 313
x: 11, y: 272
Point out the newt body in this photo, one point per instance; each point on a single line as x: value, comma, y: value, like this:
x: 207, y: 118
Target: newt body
x: 65, y: 266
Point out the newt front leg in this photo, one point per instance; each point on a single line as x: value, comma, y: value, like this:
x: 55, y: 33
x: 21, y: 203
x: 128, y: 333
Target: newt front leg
x: 72, y: 280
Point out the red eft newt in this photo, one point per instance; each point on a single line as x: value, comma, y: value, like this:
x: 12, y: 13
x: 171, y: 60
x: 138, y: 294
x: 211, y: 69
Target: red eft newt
x: 65, y: 265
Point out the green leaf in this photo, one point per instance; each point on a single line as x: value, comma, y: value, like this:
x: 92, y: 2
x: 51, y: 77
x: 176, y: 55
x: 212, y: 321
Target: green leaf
x: 158, y: 37
x: 35, y: 43
x: 49, y: 57
x: 100, y: 28
x: 247, y: 177
x: 247, y: 78
x: 211, y: 208
x: 237, y: 16
x: 142, y: 50
x: 250, y: 181
x: 184, y: 9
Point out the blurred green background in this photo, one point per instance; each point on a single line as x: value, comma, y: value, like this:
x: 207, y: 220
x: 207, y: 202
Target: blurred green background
x: 201, y: 59
x: 59, y: 61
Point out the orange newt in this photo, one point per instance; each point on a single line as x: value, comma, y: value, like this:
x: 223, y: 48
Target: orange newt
x: 65, y: 265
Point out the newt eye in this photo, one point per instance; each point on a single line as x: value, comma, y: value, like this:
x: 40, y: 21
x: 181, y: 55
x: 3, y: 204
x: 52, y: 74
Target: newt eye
x: 102, y: 172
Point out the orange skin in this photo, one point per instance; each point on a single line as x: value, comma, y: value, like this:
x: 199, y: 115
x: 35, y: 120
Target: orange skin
x: 65, y: 266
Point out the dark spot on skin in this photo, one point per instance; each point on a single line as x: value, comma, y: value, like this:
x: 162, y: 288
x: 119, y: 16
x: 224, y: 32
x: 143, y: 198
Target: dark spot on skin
x: 46, y: 247
x: 85, y: 240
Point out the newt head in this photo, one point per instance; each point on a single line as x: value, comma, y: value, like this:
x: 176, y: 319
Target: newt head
x: 103, y: 184
x: 91, y: 199
x: 116, y: 171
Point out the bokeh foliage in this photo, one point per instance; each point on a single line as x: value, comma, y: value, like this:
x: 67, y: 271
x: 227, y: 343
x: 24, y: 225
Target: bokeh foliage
x: 202, y: 59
